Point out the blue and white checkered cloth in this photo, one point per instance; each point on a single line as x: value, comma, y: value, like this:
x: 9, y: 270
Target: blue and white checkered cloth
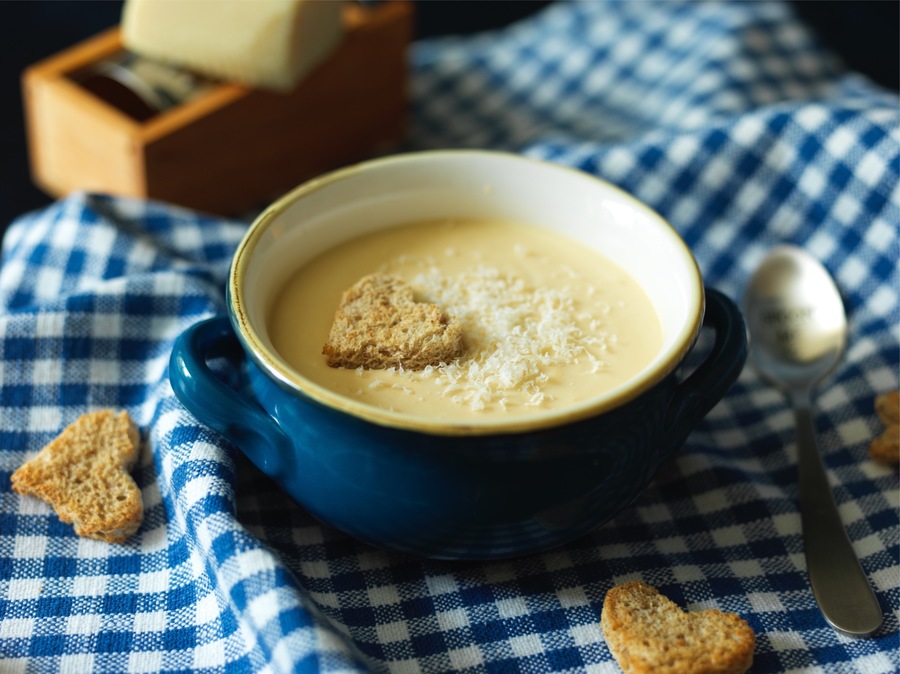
x: 727, y: 118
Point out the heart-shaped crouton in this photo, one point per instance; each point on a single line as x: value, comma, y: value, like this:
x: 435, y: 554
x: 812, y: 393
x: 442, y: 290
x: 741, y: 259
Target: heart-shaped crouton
x: 887, y: 405
x: 886, y: 447
x: 647, y: 633
x: 379, y: 325
x: 83, y: 474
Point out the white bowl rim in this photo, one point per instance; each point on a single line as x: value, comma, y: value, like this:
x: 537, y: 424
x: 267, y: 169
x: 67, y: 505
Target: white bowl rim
x: 274, y: 367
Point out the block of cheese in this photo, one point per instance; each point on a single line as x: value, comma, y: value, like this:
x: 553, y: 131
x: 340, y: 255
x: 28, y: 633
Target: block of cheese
x: 268, y: 44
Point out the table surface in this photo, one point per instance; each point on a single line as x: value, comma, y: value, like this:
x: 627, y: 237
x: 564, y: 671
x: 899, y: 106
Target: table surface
x: 731, y: 121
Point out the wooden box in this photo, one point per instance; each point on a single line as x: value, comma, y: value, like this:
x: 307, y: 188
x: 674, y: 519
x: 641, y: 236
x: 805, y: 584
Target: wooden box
x: 233, y: 148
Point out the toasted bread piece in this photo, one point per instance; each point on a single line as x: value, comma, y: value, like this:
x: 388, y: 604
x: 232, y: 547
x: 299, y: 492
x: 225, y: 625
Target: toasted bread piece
x: 647, y: 633
x: 885, y: 448
x: 887, y: 406
x: 83, y: 474
x: 379, y: 325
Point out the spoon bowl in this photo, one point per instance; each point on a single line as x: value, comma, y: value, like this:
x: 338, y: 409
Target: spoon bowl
x: 798, y: 322
x: 798, y: 335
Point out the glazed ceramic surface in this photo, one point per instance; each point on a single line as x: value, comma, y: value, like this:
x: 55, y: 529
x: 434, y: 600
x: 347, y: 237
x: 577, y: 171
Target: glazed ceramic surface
x: 481, y: 490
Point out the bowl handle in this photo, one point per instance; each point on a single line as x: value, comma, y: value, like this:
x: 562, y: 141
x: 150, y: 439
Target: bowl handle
x: 706, y: 386
x: 217, y: 405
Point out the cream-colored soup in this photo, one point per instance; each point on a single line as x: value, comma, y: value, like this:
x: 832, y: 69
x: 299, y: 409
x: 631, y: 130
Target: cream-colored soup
x: 547, y: 321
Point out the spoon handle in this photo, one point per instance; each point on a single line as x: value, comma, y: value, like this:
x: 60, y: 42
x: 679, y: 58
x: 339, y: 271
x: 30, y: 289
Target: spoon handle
x: 838, y: 582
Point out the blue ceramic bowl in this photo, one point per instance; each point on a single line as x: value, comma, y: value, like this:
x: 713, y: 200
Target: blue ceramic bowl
x: 483, y: 490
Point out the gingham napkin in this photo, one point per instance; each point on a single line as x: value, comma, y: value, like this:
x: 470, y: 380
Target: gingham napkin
x: 727, y: 118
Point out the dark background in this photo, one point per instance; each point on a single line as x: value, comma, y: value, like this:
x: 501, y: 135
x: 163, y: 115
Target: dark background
x: 865, y: 32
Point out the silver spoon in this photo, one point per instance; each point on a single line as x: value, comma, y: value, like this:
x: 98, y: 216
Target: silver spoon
x: 798, y: 333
